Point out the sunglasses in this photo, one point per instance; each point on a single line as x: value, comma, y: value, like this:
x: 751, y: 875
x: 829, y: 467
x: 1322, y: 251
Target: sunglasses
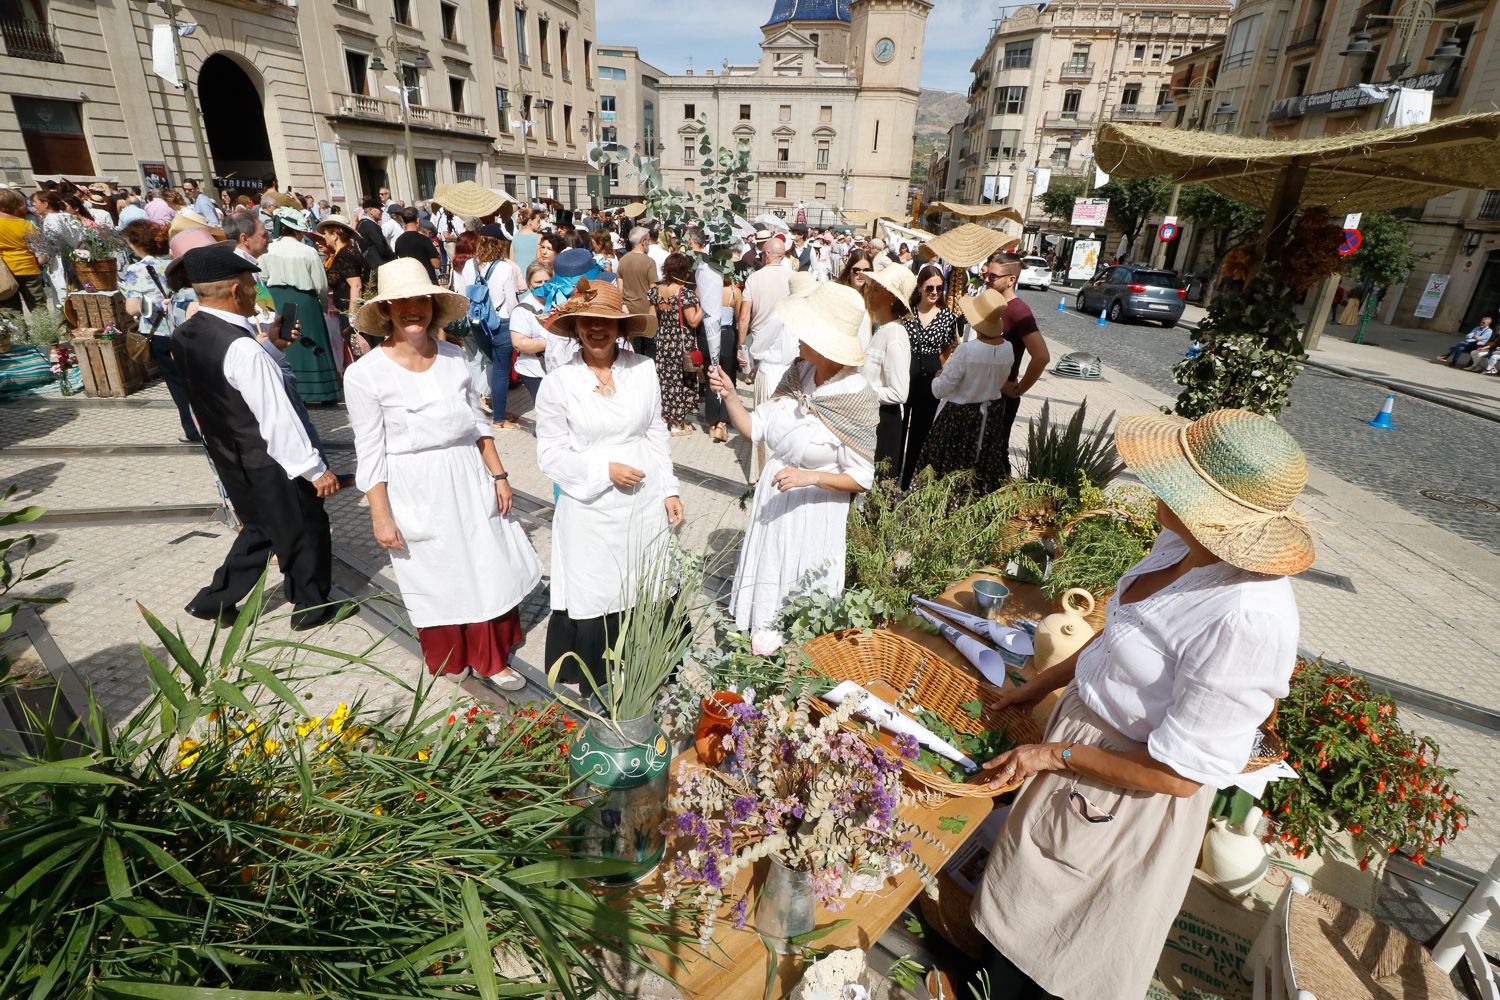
x: 1084, y: 809
x: 932, y: 288
x: 863, y: 270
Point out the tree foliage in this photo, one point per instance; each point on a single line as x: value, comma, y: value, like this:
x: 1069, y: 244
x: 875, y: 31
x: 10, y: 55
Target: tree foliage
x: 1133, y: 200
x: 1385, y: 255
x: 1229, y: 221
x: 1058, y: 200
x: 1249, y: 350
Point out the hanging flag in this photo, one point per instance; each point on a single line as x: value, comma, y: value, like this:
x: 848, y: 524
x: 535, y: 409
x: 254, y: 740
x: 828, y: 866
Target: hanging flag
x: 1100, y: 177
x: 164, y: 54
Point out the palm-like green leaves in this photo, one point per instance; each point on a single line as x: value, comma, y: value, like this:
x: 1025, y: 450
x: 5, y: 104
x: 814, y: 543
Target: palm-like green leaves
x: 1067, y: 455
x: 221, y: 844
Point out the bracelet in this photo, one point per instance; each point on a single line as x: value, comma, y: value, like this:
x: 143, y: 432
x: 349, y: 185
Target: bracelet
x: 500, y: 476
x: 1067, y: 755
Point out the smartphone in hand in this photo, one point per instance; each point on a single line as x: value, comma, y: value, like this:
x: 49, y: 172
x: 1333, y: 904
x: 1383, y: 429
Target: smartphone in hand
x: 288, y: 314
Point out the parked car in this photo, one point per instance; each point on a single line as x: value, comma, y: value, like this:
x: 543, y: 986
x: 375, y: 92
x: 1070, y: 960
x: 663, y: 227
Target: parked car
x: 1035, y: 273
x: 1130, y: 291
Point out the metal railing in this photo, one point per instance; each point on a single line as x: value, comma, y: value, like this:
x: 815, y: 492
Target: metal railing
x: 1076, y: 71
x: 1490, y: 207
x: 1136, y: 113
x: 1068, y: 119
x: 1304, y: 36
x: 378, y: 109
x: 26, y: 39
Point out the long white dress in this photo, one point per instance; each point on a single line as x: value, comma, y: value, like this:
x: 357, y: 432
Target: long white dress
x: 603, y: 535
x: 417, y: 432
x: 797, y: 537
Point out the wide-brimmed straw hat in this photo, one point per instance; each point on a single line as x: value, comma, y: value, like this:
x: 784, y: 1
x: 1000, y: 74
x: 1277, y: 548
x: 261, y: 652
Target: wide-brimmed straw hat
x: 189, y: 219
x: 468, y: 200
x: 985, y: 312
x: 825, y: 316
x: 406, y: 278
x: 899, y: 281
x: 338, y: 222
x: 601, y: 299
x: 968, y: 245
x: 1231, y: 477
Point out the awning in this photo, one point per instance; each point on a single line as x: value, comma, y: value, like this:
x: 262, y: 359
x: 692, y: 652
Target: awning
x: 976, y: 213
x: 968, y: 245
x: 1348, y: 172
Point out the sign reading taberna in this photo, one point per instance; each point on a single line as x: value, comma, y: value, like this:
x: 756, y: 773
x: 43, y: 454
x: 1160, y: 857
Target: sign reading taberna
x: 1361, y: 95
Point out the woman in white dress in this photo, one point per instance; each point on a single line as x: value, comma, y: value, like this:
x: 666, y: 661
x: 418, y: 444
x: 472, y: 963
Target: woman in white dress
x: 601, y: 438
x: 438, y: 494
x: 819, y: 428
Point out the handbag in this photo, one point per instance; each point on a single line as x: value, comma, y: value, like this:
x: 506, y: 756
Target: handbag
x: 692, y: 360
x: 8, y: 284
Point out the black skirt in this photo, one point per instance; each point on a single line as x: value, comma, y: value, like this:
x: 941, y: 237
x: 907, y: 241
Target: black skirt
x: 890, y: 440
x: 970, y: 436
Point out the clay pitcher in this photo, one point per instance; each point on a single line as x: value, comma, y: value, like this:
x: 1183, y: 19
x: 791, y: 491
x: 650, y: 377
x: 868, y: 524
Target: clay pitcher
x: 1064, y: 632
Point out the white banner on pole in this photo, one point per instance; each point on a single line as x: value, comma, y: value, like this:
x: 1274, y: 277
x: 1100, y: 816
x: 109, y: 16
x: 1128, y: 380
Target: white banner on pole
x: 1427, y: 305
x: 1043, y: 182
x: 164, y: 54
x: 1100, y: 177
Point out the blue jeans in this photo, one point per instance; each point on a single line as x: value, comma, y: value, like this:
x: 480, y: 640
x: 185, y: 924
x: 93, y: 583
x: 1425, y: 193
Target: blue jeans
x: 498, y: 349
x: 1460, y: 349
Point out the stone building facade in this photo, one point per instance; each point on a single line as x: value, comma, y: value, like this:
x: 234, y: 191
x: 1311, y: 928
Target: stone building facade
x: 829, y: 111
x: 1050, y: 75
x: 1283, y: 72
x: 628, y: 113
x: 310, y: 93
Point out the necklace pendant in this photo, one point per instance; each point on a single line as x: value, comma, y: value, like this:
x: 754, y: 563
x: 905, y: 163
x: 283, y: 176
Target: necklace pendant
x: 607, y: 391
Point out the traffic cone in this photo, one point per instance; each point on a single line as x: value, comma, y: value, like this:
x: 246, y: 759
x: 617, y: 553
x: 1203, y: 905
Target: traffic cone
x: 1103, y: 320
x: 1382, y: 419
x: 1062, y: 305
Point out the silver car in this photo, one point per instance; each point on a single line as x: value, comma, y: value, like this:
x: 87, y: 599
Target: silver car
x: 1035, y: 273
x: 1130, y: 291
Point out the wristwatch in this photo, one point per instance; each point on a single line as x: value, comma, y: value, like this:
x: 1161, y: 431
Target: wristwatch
x: 500, y: 476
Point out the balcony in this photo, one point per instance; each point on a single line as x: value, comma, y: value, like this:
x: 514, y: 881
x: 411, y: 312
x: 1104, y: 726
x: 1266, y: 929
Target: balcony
x: 1017, y: 62
x: 1136, y: 113
x: 376, y: 109
x: 25, y: 39
x: 1069, y: 120
x: 777, y: 168
x: 546, y: 67
x: 1372, y: 9
x: 1076, y: 71
x: 1304, y: 36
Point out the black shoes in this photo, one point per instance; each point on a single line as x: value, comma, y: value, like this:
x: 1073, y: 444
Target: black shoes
x: 306, y: 621
x: 224, y: 616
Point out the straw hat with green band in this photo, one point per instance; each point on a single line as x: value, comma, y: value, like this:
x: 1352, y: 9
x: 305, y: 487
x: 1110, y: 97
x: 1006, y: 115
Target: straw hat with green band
x: 1231, y: 477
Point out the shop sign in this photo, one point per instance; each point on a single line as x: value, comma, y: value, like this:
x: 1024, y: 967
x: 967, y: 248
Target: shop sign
x: 1090, y: 212
x: 1361, y: 95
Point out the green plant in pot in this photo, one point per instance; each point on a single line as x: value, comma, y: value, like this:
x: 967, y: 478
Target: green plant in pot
x: 621, y: 759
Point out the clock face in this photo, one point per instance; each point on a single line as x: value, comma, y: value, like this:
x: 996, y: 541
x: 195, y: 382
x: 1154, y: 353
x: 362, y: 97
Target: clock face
x: 885, y: 50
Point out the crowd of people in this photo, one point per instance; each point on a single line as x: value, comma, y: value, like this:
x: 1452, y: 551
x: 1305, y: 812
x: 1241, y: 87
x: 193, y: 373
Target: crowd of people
x: 863, y: 362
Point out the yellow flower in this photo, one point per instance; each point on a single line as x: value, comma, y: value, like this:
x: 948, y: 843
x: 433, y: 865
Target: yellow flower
x: 187, y: 754
x: 378, y: 810
x: 336, y: 721
x: 270, y: 747
x: 422, y: 754
x: 353, y: 733
x: 309, y: 726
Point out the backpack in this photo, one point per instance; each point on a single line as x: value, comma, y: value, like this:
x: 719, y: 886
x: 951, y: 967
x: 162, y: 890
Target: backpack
x: 481, y: 310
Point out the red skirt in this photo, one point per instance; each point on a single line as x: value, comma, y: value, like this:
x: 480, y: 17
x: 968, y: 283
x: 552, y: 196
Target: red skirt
x: 484, y: 647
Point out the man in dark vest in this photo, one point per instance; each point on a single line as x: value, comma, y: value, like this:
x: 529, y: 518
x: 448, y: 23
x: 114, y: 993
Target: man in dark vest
x: 270, y: 469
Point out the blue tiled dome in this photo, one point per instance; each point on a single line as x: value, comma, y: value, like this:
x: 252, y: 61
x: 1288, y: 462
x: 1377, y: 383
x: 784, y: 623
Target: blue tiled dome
x: 809, y: 10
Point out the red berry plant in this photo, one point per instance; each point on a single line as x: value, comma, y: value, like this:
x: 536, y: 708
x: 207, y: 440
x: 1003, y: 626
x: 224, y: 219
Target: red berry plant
x: 1361, y: 771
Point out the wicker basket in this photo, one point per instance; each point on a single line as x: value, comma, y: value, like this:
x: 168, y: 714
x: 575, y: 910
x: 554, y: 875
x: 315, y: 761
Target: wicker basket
x: 98, y: 275
x: 884, y: 659
x: 1268, y: 748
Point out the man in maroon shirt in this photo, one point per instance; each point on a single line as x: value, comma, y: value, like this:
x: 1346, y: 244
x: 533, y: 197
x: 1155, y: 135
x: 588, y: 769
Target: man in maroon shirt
x: 1001, y: 273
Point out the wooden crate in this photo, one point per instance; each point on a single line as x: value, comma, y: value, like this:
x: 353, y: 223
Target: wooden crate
x: 95, y: 310
x: 106, y: 367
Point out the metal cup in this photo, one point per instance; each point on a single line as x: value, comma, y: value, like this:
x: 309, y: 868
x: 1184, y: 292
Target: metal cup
x: 989, y: 596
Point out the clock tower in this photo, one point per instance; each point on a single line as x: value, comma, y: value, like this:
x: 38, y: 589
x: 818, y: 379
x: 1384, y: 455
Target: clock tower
x: 886, y: 40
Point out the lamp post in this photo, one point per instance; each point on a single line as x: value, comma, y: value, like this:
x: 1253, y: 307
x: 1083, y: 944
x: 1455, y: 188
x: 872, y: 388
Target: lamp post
x: 396, y: 46
x: 1203, y: 84
x: 1410, y: 21
x: 206, y: 165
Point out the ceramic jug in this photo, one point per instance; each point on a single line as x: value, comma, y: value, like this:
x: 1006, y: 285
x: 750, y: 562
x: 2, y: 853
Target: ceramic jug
x: 1064, y: 632
x: 1236, y: 859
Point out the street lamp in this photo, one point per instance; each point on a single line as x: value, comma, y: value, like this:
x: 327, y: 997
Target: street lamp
x: 206, y: 165
x: 525, y: 125
x: 420, y: 62
x: 1414, y: 18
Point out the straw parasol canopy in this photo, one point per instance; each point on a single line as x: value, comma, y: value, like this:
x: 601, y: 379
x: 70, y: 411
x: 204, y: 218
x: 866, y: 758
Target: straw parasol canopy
x: 1351, y: 171
x: 468, y: 200
x: 968, y: 245
x: 858, y: 217
x: 976, y: 213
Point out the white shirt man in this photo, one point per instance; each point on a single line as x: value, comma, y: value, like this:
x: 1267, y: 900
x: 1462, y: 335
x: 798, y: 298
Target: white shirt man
x: 658, y: 255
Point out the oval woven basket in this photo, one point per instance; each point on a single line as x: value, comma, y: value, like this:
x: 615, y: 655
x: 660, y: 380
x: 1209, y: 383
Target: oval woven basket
x: 927, y: 681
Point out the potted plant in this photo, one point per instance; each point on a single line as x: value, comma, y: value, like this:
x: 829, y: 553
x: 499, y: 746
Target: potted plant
x: 621, y: 757
x: 1362, y: 773
x: 811, y: 798
x: 95, y: 259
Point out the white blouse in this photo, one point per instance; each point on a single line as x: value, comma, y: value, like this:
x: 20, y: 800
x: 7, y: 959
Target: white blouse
x: 975, y: 373
x: 1194, y: 669
x: 887, y: 364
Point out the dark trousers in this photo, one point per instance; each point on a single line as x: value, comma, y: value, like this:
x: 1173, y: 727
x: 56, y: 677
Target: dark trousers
x: 1006, y: 982
x: 161, y: 353
x: 921, y: 408
x: 586, y: 637
x: 31, y: 291
x: 1009, y: 407
x: 279, y: 515
x: 533, y: 384
x: 889, y: 437
x: 714, y: 410
x: 502, y: 358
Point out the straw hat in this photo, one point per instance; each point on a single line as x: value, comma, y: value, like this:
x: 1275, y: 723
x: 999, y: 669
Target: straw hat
x: 339, y: 222
x: 293, y: 218
x: 825, y: 317
x: 898, y: 280
x: 1231, y: 476
x: 189, y: 219
x: 406, y: 278
x: 468, y: 200
x: 968, y: 245
x: 984, y: 312
x: 601, y: 299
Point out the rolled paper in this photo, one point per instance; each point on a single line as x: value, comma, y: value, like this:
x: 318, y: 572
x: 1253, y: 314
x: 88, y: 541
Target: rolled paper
x: 1013, y: 640
x: 986, y: 660
x: 892, y: 720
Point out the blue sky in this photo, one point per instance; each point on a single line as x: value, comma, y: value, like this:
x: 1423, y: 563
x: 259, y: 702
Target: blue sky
x: 669, y: 34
